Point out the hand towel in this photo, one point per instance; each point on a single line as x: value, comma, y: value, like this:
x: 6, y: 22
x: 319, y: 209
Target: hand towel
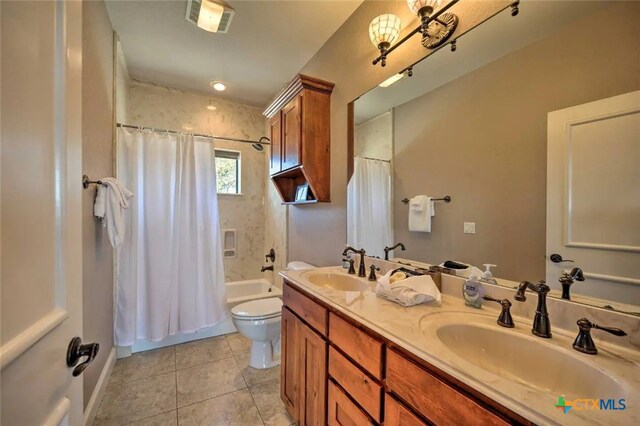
x: 112, y: 198
x: 420, y: 213
x: 410, y: 291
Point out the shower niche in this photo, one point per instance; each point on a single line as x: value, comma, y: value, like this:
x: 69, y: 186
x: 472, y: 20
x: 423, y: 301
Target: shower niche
x: 299, y: 122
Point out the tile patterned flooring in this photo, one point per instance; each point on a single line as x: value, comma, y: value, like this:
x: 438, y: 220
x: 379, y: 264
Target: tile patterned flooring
x: 205, y: 382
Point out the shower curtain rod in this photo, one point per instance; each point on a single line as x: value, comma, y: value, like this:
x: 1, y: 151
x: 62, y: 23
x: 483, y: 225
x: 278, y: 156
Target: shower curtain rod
x: 128, y: 126
x: 371, y: 158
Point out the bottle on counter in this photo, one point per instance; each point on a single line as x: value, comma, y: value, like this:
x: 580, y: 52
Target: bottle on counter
x: 472, y: 291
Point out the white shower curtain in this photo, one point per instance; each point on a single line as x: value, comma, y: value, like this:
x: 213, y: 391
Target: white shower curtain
x: 169, y: 272
x: 369, y: 223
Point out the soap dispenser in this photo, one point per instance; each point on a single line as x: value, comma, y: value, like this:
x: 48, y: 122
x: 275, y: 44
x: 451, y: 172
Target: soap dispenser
x: 487, y: 276
x: 472, y: 291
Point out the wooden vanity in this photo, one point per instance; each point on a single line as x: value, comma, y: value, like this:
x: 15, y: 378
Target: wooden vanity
x: 337, y: 372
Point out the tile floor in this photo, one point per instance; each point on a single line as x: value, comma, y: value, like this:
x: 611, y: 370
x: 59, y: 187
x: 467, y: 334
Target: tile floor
x: 206, y: 382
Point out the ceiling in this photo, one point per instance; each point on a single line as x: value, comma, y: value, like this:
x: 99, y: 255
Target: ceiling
x: 267, y: 44
x: 486, y: 43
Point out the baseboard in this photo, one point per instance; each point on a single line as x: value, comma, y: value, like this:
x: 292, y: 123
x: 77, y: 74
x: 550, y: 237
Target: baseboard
x: 100, y: 389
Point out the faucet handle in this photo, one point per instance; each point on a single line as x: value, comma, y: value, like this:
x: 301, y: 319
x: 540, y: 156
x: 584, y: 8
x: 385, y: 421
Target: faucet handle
x: 584, y: 342
x: 352, y: 270
x: 372, y: 275
x: 504, y: 319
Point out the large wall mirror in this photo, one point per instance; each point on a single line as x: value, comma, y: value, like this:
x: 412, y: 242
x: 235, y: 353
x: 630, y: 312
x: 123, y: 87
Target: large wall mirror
x: 532, y: 127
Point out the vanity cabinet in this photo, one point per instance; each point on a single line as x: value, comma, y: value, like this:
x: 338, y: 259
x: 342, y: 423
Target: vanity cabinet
x: 299, y: 123
x: 335, y: 371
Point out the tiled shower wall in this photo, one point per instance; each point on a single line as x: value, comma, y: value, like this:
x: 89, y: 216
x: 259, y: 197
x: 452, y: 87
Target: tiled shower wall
x: 167, y: 108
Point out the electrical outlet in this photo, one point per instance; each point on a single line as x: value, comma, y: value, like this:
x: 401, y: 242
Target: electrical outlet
x: 469, y: 227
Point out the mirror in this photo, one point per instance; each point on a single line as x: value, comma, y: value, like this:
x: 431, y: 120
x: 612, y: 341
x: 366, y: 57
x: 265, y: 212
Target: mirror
x: 485, y: 125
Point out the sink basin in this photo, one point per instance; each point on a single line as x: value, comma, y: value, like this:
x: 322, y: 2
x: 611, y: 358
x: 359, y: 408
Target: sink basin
x: 527, y: 360
x: 337, y: 281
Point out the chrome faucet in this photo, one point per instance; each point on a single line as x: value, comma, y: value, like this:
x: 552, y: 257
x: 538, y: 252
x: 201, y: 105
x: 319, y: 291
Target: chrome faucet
x: 388, y: 249
x: 541, y: 322
x: 362, y: 272
x: 568, y: 278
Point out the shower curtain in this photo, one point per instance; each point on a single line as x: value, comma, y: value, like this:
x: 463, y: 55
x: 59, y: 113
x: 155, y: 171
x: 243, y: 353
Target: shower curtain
x: 369, y: 224
x: 169, y: 271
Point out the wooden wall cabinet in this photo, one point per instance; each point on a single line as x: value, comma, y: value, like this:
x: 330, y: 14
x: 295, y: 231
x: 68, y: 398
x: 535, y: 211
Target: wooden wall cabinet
x: 299, y: 122
x: 336, y: 372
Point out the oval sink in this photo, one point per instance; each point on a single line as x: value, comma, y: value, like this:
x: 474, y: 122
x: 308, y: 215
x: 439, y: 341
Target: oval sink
x: 527, y: 360
x: 336, y: 281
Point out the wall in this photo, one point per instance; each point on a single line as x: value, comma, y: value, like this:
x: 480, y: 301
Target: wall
x: 167, y: 108
x: 374, y: 138
x: 482, y: 139
x: 345, y: 60
x: 97, y: 162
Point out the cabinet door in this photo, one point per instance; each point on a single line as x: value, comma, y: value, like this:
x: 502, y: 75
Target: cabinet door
x: 292, y: 133
x: 275, y: 131
x: 290, y: 368
x: 313, y: 372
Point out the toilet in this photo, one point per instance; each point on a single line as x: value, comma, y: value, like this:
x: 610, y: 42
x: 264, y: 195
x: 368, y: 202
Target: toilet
x: 259, y: 320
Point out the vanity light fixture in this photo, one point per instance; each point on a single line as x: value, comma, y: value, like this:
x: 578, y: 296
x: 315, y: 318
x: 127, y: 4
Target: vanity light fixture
x: 383, y: 32
x: 218, y: 85
x: 436, y: 27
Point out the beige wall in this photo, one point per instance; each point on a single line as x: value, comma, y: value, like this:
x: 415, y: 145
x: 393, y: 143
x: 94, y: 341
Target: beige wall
x: 167, y: 108
x: 482, y: 140
x: 97, y: 162
x: 317, y: 233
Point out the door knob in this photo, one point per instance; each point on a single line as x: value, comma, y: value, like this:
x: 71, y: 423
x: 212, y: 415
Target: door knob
x: 556, y: 258
x: 77, y: 350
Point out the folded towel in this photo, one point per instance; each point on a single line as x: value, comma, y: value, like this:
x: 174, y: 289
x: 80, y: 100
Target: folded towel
x: 112, y: 198
x: 410, y: 291
x: 420, y: 213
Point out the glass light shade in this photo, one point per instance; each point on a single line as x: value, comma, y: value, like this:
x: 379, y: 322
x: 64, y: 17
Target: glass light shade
x: 384, y: 29
x: 210, y: 16
x: 416, y: 5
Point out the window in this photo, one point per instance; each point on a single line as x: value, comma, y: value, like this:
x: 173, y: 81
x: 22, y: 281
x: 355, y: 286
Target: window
x: 228, y: 171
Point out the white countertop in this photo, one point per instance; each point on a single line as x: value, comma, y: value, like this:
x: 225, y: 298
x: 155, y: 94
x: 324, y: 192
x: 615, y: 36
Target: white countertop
x: 413, y: 329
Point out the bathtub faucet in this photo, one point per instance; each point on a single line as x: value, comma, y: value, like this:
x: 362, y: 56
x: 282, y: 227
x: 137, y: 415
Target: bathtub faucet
x: 266, y: 268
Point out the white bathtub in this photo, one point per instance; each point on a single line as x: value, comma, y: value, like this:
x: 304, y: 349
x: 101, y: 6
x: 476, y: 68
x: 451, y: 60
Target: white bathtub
x: 243, y: 291
x: 237, y: 292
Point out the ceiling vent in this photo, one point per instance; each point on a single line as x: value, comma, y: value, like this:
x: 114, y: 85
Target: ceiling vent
x: 212, y: 16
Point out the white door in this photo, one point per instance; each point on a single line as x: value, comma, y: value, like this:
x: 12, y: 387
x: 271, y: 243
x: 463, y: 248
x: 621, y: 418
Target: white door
x: 593, y: 196
x: 41, y: 258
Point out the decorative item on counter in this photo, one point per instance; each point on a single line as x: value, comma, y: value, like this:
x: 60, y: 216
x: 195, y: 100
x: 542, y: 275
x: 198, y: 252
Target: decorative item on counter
x: 472, y: 291
x: 408, y: 288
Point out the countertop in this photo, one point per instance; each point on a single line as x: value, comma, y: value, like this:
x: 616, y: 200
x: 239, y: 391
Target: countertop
x: 413, y: 329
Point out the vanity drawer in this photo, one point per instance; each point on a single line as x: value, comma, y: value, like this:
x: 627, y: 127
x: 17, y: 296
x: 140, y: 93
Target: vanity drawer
x: 364, y: 390
x: 436, y: 400
x: 396, y: 414
x: 342, y: 411
x: 358, y: 345
x: 315, y: 315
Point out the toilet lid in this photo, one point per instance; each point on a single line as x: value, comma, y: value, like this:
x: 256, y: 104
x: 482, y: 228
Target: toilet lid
x: 260, y: 308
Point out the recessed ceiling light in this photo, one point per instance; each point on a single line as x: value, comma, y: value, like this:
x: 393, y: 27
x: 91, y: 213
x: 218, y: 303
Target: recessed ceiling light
x: 211, y: 107
x: 388, y: 82
x: 218, y: 85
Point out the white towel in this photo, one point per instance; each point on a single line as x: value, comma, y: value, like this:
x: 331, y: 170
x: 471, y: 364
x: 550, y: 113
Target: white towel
x: 410, y: 291
x: 111, y: 200
x: 421, y: 210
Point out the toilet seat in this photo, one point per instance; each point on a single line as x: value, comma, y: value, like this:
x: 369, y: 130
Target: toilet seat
x: 260, y: 309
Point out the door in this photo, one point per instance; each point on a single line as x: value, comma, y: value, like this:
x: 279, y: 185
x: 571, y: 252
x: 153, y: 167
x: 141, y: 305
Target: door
x: 275, y: 127
x: 40, y: 224
x: 593, y: 196
x: 290, y: 368
x: 292, y: 137
x: 313, y: 373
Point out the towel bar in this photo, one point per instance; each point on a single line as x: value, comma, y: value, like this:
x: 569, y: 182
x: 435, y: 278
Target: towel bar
x: 446, y: 199
x: 86, y: 182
